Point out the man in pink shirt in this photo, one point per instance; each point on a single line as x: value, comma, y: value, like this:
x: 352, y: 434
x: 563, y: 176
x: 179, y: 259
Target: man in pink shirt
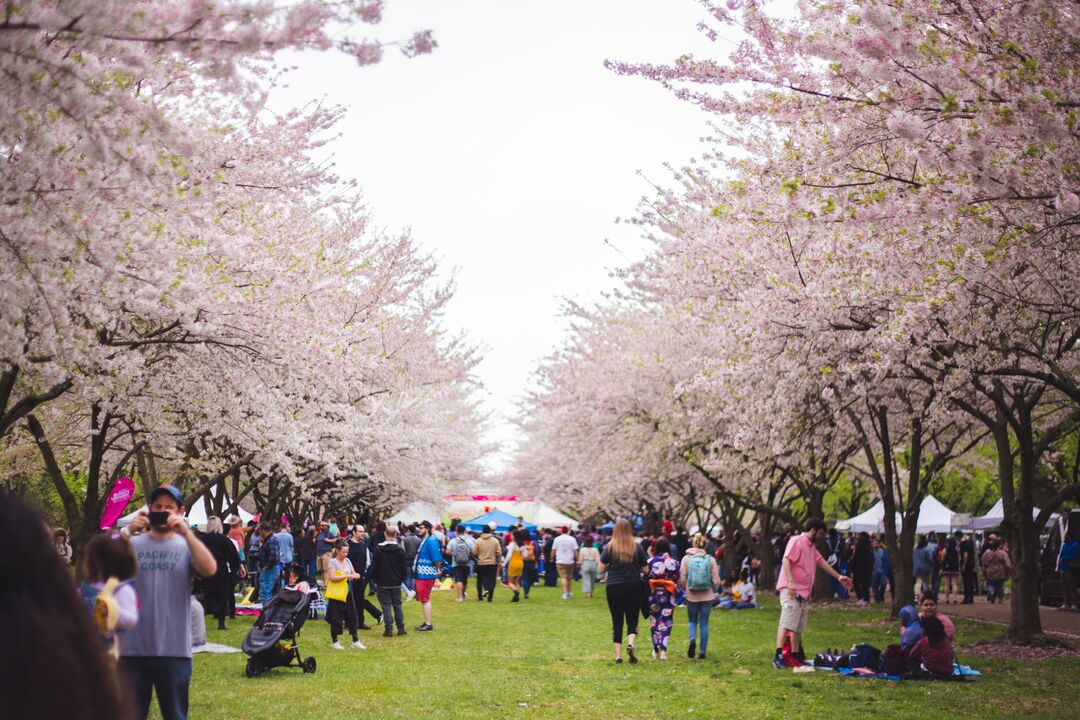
x: 801, y: 561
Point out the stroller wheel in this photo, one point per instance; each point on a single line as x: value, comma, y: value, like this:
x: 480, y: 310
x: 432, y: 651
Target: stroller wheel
x: 309, y: 665
x: 253, y: 668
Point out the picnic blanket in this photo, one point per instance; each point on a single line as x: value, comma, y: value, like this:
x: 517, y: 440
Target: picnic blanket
x: 216, y: 648
x: 959, y: 671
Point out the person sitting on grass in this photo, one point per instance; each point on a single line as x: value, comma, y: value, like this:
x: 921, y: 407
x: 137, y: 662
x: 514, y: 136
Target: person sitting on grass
x: 910, y: 629
x: 726, y: 600
x: 744, y: 592
x: 928, y: 607
x: 933, y: 653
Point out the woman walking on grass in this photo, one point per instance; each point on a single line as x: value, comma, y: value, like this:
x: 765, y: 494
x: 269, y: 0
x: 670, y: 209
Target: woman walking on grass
x: 515, y: 563
x: 589, y: 564
x: 624, y: 562
x: 663, y: 572
x: 699, y: 576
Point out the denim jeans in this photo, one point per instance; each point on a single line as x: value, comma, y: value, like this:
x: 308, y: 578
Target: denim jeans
x: 528, y: 576
x: 410, y: 581
x: 697, y: 622
x: 877, y: 584
x: 169, y: 676
x: 267, y: 584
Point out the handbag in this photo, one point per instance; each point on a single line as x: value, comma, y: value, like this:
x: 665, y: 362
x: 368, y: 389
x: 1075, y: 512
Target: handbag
x: 337, y: 590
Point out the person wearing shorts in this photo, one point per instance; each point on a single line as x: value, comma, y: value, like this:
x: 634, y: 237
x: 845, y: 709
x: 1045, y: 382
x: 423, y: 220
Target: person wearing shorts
x: 800, y: 563
x: 426, y: 568
x: 565, y: 551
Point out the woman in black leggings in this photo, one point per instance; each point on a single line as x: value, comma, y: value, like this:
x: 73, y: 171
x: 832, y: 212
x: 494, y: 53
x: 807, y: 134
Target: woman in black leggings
x: 624, y: 561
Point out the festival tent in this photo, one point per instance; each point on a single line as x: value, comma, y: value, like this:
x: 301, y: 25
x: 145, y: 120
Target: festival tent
x: 415, y: 512
x: 548, y: 517
x: 503, y: 521
x: 933, y: 517
x: 996, y: 516
x: 871, y: 520
x: 196, y: 515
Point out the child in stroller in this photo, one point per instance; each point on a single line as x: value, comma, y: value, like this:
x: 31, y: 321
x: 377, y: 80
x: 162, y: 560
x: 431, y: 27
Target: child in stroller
x: 273, y: 640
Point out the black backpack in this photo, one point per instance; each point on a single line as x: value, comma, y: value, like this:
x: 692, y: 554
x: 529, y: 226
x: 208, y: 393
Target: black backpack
x: 864, y: 656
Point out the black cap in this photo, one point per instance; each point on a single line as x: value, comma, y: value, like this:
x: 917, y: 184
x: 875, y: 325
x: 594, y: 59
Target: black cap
x: 426, y: 523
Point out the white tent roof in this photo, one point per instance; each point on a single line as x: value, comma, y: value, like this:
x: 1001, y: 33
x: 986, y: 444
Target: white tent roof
x: 196, y: 515
x: 933, y: 516
x: 996, y: 516
x: 415, y: 512
x: 547, y: 516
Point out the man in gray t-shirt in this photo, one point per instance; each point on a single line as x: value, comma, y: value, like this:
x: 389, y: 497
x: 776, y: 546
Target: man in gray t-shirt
x: 156, y: 653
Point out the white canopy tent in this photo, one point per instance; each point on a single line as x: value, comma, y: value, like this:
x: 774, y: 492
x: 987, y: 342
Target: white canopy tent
x: 933, y: 517
x: 196, y: 514
x: 548, y: 517
x: 415, y: 512
x: 996, y: 516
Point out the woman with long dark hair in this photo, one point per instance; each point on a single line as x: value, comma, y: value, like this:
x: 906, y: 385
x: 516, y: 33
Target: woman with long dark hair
x: 624, y: 562
x: 217, y: 589
x: 862, y: 567
x: 63, y: 672
x: 515, y: 562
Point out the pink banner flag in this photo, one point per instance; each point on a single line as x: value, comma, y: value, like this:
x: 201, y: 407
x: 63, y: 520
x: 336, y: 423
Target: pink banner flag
x: 118, y: 499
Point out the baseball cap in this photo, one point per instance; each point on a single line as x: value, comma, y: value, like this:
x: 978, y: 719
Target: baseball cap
x: 493, y: 524
x: 170, y: 490
x: 565, y: 528
x: 426, y: 523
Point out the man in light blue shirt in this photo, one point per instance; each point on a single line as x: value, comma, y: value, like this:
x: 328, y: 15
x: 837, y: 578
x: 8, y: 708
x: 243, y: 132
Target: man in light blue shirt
x: 285, y: 545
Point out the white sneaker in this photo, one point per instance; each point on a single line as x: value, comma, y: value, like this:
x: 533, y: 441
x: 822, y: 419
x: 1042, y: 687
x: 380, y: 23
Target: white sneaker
x: 566, y: 596
x: 357, y: 645
x: 337, y: 646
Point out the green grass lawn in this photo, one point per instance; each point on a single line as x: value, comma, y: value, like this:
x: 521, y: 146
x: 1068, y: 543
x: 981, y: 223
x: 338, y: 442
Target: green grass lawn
x: 552, y: 658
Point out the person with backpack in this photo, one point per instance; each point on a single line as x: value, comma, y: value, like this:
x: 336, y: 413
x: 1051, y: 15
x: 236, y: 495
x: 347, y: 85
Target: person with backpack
x: 996, y: 566
x: 589, y: 565
x: 699, y: 576
x: 460, y: 551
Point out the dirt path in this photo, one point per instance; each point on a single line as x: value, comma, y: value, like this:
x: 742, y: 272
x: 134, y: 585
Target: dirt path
x: 1053, y: 620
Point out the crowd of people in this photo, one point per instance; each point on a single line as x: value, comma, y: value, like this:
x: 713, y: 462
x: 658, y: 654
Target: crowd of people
x: 139, y: 585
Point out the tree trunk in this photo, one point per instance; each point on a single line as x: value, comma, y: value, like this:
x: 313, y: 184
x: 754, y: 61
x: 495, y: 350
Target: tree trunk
x: 1025, y: 623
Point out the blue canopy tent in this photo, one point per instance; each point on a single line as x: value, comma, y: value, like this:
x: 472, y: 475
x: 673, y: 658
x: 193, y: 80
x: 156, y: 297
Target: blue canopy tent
x: 503, y: 521
x: 635, y: 520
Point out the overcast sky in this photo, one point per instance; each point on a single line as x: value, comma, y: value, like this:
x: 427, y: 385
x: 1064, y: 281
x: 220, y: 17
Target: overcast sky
x: 511, y: 151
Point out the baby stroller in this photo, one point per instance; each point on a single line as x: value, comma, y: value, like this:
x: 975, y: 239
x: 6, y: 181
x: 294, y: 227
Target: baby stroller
x: 272, y: 641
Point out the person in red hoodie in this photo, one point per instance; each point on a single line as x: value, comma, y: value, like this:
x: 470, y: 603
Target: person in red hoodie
x: 933, y: 653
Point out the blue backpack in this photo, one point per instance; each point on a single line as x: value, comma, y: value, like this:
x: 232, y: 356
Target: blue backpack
x: 699, y: 573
